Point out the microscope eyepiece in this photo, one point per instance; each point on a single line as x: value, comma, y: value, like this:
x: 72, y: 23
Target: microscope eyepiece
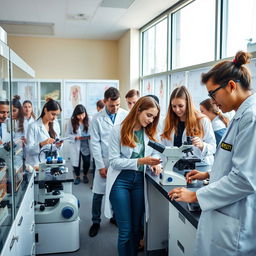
x: 157, y: 146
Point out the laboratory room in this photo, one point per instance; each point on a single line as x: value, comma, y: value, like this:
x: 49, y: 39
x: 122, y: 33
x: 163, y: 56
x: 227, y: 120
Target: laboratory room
x: 127, y: 127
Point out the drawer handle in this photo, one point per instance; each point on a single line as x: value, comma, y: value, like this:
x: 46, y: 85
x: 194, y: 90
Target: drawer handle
x: 32, y: 227
x: 180, y: 246
x: 182, y: 218
x: 14, y: 238
x: 32, y: 184
x: 32, y: 204
x: 20, y: 221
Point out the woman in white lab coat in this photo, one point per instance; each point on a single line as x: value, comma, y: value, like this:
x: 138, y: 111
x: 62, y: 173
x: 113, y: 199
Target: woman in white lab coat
x: 77, y: 130
x: 18, y: 118
x: 43, y: 133
x: 184, y: 120
x: 29, y: 115
x: 227, y: 225
x: 129, y: 154
x: 219, y: 121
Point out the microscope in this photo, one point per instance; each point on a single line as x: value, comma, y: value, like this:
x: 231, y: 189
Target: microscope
x: 56, y: 211
x: 177, y: 157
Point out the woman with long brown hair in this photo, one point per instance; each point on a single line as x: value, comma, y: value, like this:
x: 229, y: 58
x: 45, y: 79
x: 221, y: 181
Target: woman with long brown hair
x: 129, y: 155
x: 218, y: 120
x: 183, y: 121
x: 77, y: 129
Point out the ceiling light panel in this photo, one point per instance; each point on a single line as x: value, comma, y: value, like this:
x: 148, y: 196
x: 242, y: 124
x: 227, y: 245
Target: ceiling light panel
x: 123, y: 4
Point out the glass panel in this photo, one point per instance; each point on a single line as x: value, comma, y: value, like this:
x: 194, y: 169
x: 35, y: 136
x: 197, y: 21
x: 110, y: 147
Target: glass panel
x: 6, y: 209
x: 240, y: 27
x: 20, y: 175
x: 148, y: 51
x: 194, y: 34
x: 161, y: 47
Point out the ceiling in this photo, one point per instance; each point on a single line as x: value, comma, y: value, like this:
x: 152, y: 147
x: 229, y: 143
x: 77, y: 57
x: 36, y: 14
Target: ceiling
x: 90, y: 19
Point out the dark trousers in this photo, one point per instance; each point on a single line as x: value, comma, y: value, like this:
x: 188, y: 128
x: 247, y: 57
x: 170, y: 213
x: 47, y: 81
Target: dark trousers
x: 127, y: 199
x: 96, y: 207
x: 86, y: 165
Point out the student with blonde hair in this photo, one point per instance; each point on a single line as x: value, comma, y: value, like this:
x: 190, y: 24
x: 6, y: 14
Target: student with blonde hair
x: 219, y: 121
x: 183, y: 120
x: 129, y: 154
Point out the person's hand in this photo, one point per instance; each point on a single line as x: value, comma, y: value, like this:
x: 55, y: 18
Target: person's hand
x: 181, y: 194
x: 103, y: 172
x: 149, y: 160
x: 196, y: 175
x: 156, y: 169
x: 47, y: 141
x: 77, y: 138
x: 1, y: 142
x: 197, y: 142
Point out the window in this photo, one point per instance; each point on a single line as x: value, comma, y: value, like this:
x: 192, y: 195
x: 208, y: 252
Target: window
x: 155, y: 48
x: 194, y: 34
x: 239, y: 31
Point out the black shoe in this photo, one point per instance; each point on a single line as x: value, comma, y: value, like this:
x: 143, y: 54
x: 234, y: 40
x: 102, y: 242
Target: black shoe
x: 77, y: 180
x: 94, y: 229
x: 113, y: 221
x: 85, y: 179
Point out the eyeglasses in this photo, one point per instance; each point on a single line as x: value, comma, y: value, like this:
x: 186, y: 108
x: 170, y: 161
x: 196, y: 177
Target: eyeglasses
x: 211, y: 93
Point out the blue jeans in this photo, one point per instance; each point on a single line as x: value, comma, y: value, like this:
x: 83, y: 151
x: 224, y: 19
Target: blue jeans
x: 127, y: 199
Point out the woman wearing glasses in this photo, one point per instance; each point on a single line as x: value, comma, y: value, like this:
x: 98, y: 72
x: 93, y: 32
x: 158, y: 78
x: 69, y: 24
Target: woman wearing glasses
x: 184, y: 120
x: 228, y: 220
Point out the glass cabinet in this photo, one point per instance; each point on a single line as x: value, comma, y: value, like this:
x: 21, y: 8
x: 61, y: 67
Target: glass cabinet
x: 14, y: 177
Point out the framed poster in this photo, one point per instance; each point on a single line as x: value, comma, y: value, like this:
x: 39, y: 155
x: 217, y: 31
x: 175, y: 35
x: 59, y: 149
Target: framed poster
x: 95, y: 91
x: 148, y: 86
x: 74, y: 94
x: 160, y: 90
x: 197, y: 91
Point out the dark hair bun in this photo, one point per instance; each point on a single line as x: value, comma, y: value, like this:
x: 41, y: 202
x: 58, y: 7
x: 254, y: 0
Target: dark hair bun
x: 16, y: 97
x: 242, y: 58
x: 48, y: 99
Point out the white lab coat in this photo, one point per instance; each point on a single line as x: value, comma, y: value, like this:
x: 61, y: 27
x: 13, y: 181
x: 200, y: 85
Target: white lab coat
x: 36, y: 134
x: 207, y: 154
x: 100, y: 130
x: 227, y: 226
x: 120, y: 159
x: 6, y: 136
x: 74, y: 146
x: 26, y: 124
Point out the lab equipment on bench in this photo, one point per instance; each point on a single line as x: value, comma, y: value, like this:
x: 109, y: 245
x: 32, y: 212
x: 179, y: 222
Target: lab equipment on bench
x: 56, y: 212
x: 180, y: 157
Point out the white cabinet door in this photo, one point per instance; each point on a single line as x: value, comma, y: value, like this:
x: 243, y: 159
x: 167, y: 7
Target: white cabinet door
x: 182, y: 234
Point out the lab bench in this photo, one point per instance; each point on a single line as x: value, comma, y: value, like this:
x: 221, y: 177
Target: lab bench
x: 171, y: 228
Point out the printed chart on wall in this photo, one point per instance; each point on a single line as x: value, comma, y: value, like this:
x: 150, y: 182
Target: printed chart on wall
x: 73, y: 95
x: 196, y: 89
x: 148, y: 86
x: 95, y: 91
x: 177, y: 79
x: 28, y: 91
x: 160, y: 88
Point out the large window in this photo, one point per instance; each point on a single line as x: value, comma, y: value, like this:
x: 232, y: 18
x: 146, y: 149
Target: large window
x: 239, y: 28
x: 193, y: 34
x: 155, y: 48
x: 178, y: 47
